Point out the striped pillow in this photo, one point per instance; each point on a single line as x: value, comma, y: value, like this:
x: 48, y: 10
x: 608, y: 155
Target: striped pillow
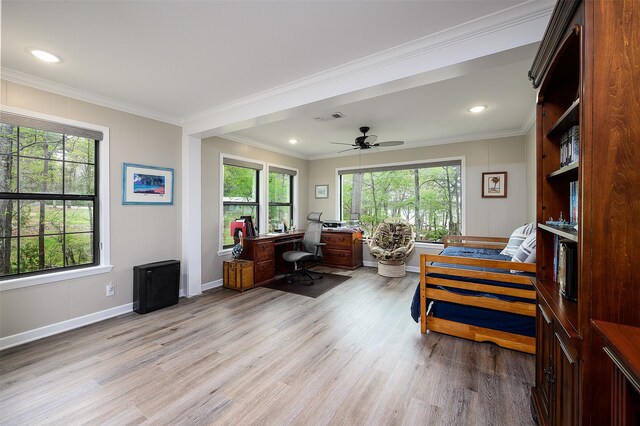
x: 527, y: 251
x: 517, y: 238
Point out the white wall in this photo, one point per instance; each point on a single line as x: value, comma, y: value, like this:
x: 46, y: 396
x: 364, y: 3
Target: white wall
x: 211, y: 150
x: 530, y: 143
x: 139, y: 234
x: 484, y: 216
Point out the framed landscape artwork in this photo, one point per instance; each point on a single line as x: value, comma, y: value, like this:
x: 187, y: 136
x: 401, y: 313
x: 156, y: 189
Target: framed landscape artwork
x: 322, y: 191
x: 494, y: 185
x: 146, y: 184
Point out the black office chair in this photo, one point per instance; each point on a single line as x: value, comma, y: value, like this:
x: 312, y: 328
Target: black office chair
x: 308, y: 252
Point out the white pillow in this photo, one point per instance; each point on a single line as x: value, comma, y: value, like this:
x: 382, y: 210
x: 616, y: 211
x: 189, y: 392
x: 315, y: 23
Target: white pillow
x: 527, y: 251
x: 516, y: 239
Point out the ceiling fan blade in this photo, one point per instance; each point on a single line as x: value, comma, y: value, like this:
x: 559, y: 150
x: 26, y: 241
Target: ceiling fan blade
x: 345, y: 150
x: 370, y: 139
x: 390, y: 143
x: 340, y: 143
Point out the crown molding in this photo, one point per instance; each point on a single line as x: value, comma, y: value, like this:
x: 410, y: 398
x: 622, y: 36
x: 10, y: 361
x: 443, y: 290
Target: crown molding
x: 529, y: 120
x: 18, y: 77
x: 433, y: 142
x: 465, y: 33
x: 253, y: 142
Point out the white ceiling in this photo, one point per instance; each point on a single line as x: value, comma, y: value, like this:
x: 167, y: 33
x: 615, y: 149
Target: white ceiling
x: 176, y: 60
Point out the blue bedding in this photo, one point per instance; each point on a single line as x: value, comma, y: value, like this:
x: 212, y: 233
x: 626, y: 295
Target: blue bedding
x: 497, y: 320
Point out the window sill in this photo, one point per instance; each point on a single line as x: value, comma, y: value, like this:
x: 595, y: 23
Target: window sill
x: 225, y: 252
x: 14, y: 283
x: 439, y: 246
x: 419, y: 244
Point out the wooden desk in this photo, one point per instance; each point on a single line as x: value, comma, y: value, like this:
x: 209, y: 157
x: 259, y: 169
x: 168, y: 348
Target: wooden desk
x: 343, y: 250
x: 262, y: 250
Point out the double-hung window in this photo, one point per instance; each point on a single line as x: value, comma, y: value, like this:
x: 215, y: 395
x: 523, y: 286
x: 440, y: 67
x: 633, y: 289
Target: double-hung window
x: 48, y: 196
x: 426, y: 194
x: 241, y: 194
x: 280, y: 198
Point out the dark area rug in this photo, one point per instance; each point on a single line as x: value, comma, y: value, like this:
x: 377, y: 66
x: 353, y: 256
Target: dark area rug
x: 319, y: 287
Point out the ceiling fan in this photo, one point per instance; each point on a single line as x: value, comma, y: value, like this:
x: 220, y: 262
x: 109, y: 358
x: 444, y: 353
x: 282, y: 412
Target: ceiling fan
x: 367, y: 141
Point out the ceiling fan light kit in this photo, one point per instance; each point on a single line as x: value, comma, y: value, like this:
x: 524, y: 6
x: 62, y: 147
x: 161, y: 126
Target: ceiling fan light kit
x: 368, y: 141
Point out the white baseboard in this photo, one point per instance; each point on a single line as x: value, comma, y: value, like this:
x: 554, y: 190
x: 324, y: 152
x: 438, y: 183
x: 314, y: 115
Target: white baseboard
x: 212, y: 284
x: 49, y: 330
x: 60, y: 327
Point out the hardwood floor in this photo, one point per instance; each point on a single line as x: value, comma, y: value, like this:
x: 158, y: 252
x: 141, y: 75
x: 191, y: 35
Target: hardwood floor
x: 352, y: 356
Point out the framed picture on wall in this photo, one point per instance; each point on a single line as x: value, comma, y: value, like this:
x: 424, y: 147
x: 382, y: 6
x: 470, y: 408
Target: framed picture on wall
x: 322, y: 191
x: 146, y: 184
x: 494, y: 185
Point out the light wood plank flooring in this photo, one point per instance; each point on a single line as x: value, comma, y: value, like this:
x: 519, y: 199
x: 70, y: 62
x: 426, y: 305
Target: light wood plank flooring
x: 352, y: 356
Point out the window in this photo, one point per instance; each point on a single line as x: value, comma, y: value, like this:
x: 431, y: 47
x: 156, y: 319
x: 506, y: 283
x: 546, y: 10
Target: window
x: 427, y: 195
x: 280, y: 198
x: 241, y: 195
x: 49, y: 201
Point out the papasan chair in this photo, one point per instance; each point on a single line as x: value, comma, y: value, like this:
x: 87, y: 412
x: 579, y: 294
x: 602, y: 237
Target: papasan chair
x: 391, y: 243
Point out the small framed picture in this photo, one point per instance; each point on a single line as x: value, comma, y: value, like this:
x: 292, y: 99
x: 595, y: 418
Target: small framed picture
x: 146, y: 184
x: 322, y: 191
x: 494, y: 185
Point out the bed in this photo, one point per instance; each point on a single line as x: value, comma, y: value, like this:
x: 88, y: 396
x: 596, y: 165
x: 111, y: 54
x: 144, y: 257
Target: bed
x: 470, y: 290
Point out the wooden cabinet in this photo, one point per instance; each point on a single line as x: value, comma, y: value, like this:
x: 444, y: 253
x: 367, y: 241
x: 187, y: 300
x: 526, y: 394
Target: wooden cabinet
x: 585, y: 81
x: 343, y: 249
x: 621, y: 344
x: 555, y: 398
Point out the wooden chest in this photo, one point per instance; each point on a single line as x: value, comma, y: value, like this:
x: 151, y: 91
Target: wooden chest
x: 238, y: 274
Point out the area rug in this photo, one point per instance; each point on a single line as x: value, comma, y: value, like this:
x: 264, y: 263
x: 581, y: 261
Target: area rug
x: 319, y: 287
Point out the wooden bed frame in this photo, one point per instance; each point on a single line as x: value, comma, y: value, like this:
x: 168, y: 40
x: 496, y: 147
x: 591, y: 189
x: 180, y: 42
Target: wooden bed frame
x: 479, y: 334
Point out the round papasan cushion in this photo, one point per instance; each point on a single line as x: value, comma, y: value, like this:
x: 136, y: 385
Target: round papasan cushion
x: 392, y: 240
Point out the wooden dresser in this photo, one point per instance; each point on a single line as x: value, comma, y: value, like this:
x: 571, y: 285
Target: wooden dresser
x: 343, y: 248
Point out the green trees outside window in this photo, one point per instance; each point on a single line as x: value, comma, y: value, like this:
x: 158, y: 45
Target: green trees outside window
x: 430, y: 198
x: 240, y: 198
x: 47, y: 200
x: 280, y: 200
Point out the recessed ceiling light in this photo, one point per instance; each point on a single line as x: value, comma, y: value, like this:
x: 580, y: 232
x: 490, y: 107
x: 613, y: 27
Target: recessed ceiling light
x: 478, y: 108
x: 293, y: 141
x: 44, y: 56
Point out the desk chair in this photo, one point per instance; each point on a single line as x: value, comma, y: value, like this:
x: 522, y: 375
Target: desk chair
x: 308, y: 252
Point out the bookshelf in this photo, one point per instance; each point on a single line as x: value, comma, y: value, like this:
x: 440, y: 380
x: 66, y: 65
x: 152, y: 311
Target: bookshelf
x: 586, y: 88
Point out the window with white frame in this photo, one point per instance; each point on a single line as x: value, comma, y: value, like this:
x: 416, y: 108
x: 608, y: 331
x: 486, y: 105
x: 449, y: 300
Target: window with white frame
x: 428, y: 195
x: 280, y: 198
x: 49, y: 196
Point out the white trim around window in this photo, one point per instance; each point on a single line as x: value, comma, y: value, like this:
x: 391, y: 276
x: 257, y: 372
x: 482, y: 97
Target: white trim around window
x: 261, y: 198
x: 103, y: 205
x: 463, y: 184
x: 295, y: 190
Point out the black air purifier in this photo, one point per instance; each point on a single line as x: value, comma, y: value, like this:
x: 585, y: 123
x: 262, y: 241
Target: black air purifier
x: 155, y: 285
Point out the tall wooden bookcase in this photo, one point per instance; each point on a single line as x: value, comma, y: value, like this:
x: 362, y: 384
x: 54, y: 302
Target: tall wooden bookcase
x: 587, y: 72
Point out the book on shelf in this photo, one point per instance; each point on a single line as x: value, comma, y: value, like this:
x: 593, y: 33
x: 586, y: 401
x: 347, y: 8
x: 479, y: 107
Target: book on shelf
x: 573, y: 202
x: 570, y: 146
x: 567, y: 261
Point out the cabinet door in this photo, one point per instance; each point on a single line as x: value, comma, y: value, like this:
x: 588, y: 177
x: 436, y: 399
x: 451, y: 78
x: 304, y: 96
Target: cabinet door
x: 545, y: 373
x: 567, y: 380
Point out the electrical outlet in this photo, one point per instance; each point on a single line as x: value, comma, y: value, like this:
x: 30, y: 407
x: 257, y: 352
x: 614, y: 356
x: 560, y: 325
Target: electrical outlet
x: 110, y: 289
